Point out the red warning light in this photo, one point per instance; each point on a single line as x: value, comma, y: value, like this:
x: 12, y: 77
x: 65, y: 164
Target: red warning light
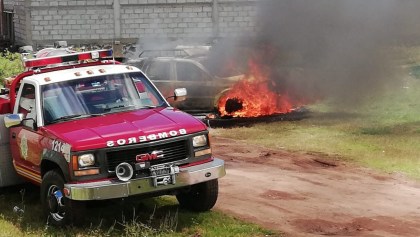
x: 74, y: 57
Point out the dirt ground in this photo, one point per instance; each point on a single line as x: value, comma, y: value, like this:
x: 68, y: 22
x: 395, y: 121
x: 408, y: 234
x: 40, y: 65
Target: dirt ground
x: 311, y: 195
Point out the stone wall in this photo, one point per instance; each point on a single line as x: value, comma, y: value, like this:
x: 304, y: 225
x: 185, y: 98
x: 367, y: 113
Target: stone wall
x: 102, y: 21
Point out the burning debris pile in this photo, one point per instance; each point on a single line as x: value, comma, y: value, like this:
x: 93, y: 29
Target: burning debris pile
x: 254, y: 95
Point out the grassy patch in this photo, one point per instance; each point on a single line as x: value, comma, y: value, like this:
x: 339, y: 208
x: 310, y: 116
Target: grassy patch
x: 130, y: 217
x: 383, y: 133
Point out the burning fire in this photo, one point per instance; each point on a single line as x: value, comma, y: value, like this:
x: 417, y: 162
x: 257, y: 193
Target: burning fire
x: 254, y: 96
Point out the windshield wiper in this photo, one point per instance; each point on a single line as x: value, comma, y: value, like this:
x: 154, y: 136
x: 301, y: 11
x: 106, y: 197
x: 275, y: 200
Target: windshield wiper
x: 154, y: 106
x: 133, y: 106
x: 116, y: 107
x: 69, y: 117
x: 149, y: 106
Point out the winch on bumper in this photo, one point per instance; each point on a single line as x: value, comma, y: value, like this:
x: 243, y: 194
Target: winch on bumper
x: 118, y: 189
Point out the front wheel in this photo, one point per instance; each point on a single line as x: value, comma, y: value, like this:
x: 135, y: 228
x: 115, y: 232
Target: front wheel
x: 200, y: 197
x: 59, y: 209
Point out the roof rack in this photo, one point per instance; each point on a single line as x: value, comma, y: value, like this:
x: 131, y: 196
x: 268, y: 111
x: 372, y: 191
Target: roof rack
x: 67, y: 58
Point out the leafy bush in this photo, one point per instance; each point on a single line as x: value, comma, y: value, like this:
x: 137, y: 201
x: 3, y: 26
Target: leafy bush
x: 10, y: 64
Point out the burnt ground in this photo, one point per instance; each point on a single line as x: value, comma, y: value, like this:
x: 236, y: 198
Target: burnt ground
x: 314, y: 195
x: 228, y: 122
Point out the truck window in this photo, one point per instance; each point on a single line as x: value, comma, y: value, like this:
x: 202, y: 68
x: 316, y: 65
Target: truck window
x: 148, y: 94
x: 27, y: 104
x: 97, y: 95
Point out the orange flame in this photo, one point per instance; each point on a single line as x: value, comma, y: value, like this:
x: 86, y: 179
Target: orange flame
x: 253, y: 96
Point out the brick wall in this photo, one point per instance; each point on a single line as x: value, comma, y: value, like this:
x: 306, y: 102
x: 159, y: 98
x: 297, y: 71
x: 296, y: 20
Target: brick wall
x: 101, y: 21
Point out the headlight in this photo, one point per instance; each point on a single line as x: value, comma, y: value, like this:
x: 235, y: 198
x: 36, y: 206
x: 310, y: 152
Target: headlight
x: 199, y: 141
x: 86, y: 160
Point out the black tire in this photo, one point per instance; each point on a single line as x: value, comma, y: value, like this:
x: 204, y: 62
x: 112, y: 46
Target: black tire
x: 58, y: 209
x: 200, y: 197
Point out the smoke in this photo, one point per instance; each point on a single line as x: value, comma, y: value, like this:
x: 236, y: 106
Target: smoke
x: 334, y: 49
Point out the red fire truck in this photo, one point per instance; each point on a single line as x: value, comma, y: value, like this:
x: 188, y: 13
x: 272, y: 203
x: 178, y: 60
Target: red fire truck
x: 83, y: 127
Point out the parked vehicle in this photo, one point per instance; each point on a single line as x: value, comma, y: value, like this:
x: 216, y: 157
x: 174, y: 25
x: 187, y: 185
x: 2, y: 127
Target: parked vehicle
x: 83, y: 128
x: 187, y: 71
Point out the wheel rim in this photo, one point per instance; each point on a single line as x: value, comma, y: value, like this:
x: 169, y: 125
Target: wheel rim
x: 55, y: 203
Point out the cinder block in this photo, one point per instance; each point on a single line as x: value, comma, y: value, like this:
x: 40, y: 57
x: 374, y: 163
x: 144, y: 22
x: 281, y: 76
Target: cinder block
x: 82, y: 3
x: 57, y: 37
x: 37, y: 28
x: 197, y: 9
x: 158, y: 9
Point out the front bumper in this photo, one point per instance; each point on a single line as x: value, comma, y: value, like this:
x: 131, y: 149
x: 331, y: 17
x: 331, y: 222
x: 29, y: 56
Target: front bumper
x: 118, y: 189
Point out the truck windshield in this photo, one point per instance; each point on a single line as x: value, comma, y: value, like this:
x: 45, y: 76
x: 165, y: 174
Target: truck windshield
x: 98, y: 95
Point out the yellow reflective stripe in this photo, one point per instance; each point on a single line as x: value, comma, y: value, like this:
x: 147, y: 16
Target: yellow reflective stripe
x: 28, y: 174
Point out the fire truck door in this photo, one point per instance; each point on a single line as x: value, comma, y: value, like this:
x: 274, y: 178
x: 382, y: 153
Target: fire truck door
x: 25, y: 140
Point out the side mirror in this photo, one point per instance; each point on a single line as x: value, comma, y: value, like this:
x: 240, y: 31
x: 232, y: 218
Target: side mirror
x: 11, y: 120
x: 180, y: 94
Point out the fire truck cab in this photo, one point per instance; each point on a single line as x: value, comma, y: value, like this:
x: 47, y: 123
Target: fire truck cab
x: 85, y: 128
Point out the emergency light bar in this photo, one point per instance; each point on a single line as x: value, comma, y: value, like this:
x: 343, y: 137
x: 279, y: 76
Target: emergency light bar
x: 41, y: 62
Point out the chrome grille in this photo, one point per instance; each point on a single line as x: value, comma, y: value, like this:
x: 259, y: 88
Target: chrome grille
x: 172, y: 151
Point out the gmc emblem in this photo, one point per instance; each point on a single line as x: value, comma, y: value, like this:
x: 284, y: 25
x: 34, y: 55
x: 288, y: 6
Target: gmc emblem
x: 149, y: 156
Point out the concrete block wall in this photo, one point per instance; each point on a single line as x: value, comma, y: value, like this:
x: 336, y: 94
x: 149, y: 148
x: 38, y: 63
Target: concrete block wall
x: 237, y: 17
x: 53, y: 20
x: 102, y: 21
x: 166, y: 19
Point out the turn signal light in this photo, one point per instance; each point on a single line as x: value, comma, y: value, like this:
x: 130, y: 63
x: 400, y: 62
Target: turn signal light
x: 86, y: 172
